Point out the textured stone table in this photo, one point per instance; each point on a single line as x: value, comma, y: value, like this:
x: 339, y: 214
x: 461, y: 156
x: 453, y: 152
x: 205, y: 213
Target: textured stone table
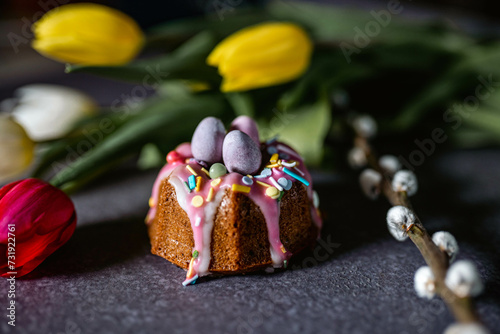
x: 357, y: 280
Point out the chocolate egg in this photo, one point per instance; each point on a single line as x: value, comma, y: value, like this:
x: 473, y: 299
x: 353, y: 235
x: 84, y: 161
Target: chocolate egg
x: 247, y: 125
x: 208, y: 137
x: 241, y: 154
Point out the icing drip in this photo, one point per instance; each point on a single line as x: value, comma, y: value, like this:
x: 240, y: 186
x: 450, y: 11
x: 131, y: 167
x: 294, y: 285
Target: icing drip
x: 201, y: 198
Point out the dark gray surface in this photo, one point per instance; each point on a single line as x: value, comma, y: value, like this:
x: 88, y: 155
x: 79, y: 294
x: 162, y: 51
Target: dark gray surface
x: 104, y: 280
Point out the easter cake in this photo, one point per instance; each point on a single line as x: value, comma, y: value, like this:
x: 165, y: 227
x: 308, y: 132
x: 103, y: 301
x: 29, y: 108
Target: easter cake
x: 227, y: 203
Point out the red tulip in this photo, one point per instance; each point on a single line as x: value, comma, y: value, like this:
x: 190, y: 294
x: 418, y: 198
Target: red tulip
x: 35, y: 220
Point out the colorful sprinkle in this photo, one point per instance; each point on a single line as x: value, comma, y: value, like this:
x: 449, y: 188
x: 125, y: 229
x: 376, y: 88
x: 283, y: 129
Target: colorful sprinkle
x: 295, y: 176
x: 285, y: 264
x: 195, y: 254
x: 272, y: 150
x: 274, y: 158
x: 250, y: 176
x: 275, y: 183
x: 187, y: 186
x: 210, y: 194
x: 192, y: 182
x: 246, y: 180
x: 281, y: 196
x: 272, y: 166
x: 205, y: 171
x: 197, y: 222
x: 151, y: 202
x: 197, y: 201
x: 189, y: 168
x: 266, y: 172
x: 263, y: 184
x: 215, y: 182
x: 283, y: 249
x: 285, y: 183
x: 289, y: 164
x: 299, y: 171
x: 198, y: 183
x: 240, y: 188
x: 272, y: 192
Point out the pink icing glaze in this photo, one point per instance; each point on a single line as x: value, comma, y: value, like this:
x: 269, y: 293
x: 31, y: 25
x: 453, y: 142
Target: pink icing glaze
x: 202, y: 217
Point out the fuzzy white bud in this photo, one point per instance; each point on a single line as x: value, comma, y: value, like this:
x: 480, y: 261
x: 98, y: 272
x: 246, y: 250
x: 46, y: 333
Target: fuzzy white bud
x: 389, y: 163
x: 370, y: 180
x: 447, y: 243
x: 463, y: 279
x: 471, y: 328
x: 356, y: 157
x: 399, y: 219
x: 365, y: 126
x: 404, y: 180
x: 425, y: 284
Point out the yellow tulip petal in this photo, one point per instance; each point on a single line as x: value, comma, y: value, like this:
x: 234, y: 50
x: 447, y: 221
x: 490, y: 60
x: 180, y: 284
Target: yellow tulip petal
x: 263, y: 55
x: 88, y: 34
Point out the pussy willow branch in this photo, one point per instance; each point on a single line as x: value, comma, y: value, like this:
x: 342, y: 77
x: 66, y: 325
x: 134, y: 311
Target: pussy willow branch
x: 462, y: 308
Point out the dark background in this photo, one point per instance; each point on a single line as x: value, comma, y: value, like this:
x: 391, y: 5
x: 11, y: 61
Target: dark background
x: 104, y: 280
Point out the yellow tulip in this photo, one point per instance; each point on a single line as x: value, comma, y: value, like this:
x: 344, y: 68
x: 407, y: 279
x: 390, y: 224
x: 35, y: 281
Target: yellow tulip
x: 16, y: 149
x: 263, y: 55
x: 87, y: 34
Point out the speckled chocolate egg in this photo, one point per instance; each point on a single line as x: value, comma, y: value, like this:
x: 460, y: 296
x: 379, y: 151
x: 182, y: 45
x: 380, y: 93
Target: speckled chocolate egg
x: 241, y: 154
x: 207, y: 141
x: 247, y: 125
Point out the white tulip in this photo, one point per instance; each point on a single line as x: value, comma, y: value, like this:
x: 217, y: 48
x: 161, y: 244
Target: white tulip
x: 48, y: 111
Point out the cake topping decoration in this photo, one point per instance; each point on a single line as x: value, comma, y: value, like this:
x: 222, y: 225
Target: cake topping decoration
x: 295, y: 176
x: 192, y: 182
x: 247, y: 180
x: 210, y: 194
x: 217, y: 170
x: 216, y: 182
x: 198, y: 183
x: 246, y: 125
x: 189, y: 168
x: 206, y: 144
x: 240, y: 188
x: 187, y: 186
x: 197, y: 201
x: 204, y: 170
x: 240, y: 153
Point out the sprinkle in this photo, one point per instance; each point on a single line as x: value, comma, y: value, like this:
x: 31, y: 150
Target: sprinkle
x: 259, y: 176
x: 189, y: 168
x: 190, y: 280
x: 250, y: 176
x: 285, y: 183
x: 187, y: 186
x: 198, y: 183
x: 247, y: 180
x: 285, y: 264
x: 197, y: 221
x: 272, y: 150
x: 266, y: 172
x: 299, y: 171
x: 190, y: 272
x: 283, y: 249
x: 205, y: 171
x: 210, y: 194
x: 281, y: 196
x: 151, y: 202
x: 197, y: 201
x: 272, y: 192
x: 195, y: 254
x: 272, y: 166
x: 240, y: 188
x: 274, y: 158
x: 295, y: 176
x: 263, y: 184
x: 289, y: 164
x: 192, y: 182
x: 215, y: 182
x: 276, y: 184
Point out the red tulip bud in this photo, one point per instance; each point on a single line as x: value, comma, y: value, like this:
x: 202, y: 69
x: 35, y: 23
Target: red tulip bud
x: 35, y: 220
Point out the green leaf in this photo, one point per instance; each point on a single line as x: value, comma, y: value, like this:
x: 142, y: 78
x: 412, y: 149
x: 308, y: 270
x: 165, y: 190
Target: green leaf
x: 304, y: 128
x: 187, y: 62
x: 164, y: 117
x: 242, y: 103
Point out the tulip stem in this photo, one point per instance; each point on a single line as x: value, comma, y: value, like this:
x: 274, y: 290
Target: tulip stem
x: 462, y: 308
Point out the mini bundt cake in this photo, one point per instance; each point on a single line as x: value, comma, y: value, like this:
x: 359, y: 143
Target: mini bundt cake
x: 226, y: 203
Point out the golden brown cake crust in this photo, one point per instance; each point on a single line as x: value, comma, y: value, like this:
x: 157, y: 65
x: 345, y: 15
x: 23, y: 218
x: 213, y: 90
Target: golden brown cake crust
x: 239, y: 236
